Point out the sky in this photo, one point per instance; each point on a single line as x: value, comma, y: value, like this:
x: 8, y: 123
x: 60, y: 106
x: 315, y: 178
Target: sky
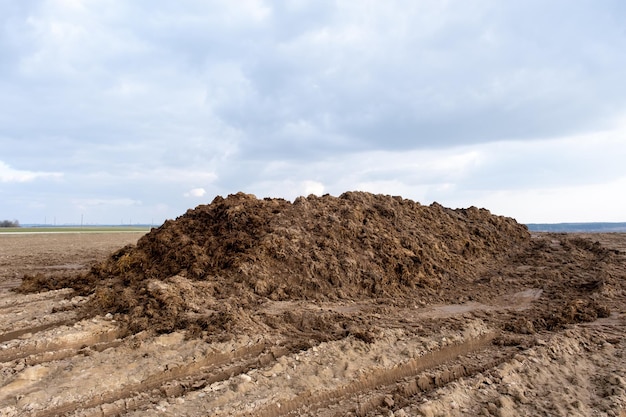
x: 124, y: 112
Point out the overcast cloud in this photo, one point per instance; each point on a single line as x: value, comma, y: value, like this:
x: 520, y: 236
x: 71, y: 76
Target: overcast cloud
x: 123, y: 111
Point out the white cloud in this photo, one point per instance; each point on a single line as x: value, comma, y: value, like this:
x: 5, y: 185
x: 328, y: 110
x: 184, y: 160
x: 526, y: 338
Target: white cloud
x: 312, y: 187
x: 576, y: 203
x: 195, y: 192
x: 8, y: 174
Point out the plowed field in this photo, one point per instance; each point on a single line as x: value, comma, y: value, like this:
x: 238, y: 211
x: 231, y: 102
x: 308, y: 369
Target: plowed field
x: 537, y: 329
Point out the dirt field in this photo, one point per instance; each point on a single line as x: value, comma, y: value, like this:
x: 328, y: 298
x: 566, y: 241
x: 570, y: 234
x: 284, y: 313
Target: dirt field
x: 522, y: 326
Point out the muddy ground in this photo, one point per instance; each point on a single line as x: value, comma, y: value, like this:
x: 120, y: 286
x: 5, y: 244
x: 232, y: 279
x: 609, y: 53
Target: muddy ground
x: 487, y: 319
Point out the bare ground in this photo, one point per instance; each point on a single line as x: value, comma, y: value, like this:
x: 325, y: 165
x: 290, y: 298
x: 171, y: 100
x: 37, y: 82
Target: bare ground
x: 538, y: 331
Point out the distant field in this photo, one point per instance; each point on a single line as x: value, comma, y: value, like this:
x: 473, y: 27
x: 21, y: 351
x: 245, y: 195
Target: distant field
x: 74, y: 229
x: 577, y: 227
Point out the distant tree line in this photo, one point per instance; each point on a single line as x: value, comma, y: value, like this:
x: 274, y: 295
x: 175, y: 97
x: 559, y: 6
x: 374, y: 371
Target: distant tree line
x: 9, y: 223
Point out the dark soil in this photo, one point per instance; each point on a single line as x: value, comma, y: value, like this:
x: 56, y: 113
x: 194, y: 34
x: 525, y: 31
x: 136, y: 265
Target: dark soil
x: 211, y: 267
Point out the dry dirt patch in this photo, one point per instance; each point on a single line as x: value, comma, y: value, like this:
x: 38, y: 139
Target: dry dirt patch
x: 55, y: 254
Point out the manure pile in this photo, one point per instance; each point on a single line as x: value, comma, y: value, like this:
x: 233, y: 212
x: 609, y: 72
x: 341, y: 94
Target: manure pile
x: 237, y: 251
x: 358, y: 305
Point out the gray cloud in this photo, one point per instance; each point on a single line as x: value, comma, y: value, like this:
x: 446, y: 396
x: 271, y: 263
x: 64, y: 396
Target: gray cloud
x: 167, y: 97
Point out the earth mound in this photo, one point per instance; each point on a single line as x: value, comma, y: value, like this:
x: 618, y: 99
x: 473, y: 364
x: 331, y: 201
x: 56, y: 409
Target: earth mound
x: 240, y: 250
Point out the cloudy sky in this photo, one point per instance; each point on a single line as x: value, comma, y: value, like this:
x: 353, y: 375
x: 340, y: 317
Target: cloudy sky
x: 134, y: 111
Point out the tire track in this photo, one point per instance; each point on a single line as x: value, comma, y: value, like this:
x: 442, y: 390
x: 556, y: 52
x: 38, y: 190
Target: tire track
x: 312, y: 402
x: 196, y: 381
x: 408, y: 388
x: 37, y: 353
x: 175, y: 381
x: 11, y: 301
x: 16, y: 334
x: 73, y: 340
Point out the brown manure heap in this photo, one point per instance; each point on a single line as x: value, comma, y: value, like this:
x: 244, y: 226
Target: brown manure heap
x: 360, y: 304
x: 240, y: 250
